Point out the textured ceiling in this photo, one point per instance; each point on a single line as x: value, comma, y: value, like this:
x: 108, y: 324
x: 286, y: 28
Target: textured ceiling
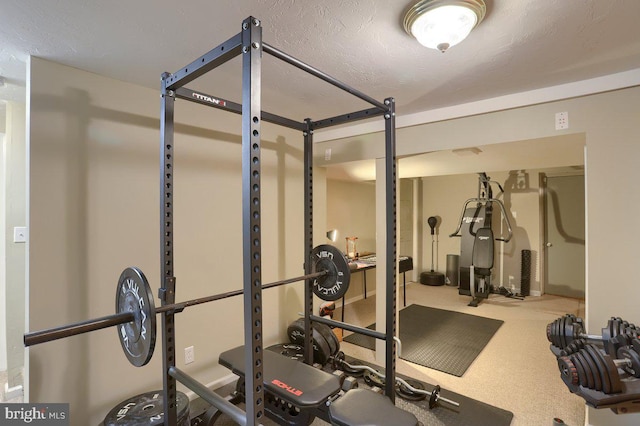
x: 521, y: 45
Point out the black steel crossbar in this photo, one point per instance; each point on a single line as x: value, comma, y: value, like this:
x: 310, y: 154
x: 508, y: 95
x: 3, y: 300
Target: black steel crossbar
x: 226, y: 105
x: 226, y: 407
x: 210, y: 60
x: 349, y: 327
x: 321, y: 75
x: 69, y: 330
x: 346, y: 118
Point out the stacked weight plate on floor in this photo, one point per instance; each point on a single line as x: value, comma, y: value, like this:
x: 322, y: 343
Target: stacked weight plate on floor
x: 325, y: 342
x: 146, y: 410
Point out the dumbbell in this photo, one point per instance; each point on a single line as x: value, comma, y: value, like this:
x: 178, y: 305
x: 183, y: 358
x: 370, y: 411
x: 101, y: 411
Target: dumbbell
x: 592, y: 369
x: 566, y: 330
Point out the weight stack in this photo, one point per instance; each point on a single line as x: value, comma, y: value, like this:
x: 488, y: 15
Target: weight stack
x: 453, y: 260
x: 525, y: 273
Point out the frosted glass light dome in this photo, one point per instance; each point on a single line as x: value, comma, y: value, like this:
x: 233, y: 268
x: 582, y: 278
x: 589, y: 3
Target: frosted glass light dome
x: 440, y: 24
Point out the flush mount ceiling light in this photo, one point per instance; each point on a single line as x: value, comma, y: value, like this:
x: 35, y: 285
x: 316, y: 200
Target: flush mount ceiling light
x: 440, y: 24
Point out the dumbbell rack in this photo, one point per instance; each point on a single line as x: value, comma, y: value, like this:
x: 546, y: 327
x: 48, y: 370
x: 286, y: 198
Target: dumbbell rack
x: 605, y: 372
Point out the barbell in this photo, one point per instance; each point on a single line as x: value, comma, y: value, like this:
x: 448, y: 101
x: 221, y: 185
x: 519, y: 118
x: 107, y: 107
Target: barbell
x: 136, y: 312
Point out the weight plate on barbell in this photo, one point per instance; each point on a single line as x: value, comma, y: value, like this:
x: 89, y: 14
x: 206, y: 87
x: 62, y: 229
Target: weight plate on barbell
x: 137, y: 337
x: 335, y: 283
x: 405, y: 393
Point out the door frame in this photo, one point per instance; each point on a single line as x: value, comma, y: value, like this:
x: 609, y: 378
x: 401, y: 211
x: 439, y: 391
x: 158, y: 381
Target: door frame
x: 542, y: 192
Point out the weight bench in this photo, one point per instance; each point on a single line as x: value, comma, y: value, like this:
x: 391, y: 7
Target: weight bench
x: 316, y: 392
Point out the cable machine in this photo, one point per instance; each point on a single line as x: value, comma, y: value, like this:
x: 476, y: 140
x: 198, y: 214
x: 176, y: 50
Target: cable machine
x: 477, y: 245
x: 248, y: 43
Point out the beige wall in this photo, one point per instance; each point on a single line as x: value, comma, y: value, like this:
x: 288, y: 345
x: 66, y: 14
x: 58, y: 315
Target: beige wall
x: 15, y: 184
x: 94, y: 211
x: 609, y: 122
x: 351, y: 209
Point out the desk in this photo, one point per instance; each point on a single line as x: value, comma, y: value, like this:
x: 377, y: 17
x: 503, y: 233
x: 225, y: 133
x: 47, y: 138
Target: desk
x: 364, y: 263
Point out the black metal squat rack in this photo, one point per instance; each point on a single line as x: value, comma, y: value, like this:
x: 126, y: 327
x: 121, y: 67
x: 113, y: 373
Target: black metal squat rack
x: 248, y: 43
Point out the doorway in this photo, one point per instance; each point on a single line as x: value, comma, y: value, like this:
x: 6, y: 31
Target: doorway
x: 564, y: 235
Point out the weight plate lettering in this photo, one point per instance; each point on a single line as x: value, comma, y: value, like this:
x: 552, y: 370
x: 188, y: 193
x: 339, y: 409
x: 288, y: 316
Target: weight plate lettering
x: 137, y: 337
x: 147, y: 410
x: 335, y: 284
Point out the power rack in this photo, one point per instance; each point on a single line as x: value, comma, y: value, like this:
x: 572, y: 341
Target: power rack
x: 248, y: 43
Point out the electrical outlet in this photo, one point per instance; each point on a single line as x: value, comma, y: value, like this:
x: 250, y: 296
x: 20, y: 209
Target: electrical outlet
x: 189, y: 355
x: 562, y: 120
x: 327, y: 154
x: 511, y: 278
x: 20, y: 234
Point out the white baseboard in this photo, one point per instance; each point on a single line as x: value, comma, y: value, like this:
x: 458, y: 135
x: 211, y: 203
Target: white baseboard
x: 14, y: 392
x: 535, y: 293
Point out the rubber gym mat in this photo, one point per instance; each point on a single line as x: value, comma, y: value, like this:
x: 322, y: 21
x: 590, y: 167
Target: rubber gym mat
x: 447, y: 341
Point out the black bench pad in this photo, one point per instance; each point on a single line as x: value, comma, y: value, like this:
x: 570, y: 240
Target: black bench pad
x: 296, y: 382
x: 362, y: 407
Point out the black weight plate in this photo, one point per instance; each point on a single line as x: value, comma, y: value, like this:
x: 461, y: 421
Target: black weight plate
x: 295, y: 331
x: 574, y: 333
x: 549, y: 332
x: 335, y: 284
x: 137, y: 337
x: 607, y: 332
x: 597, y: 379
x: 591, y: 383
x: 612, y: 372
x: 326, y: 333
x: 321, y: 350
x: 565, y: 332
x: 339, y: 364
x: 373, y: 380
x: 554, y: 333
x: 568, y: 371
x: 561, y: 331
x: 435, y: 394
x: 602, y: 368
x: 405, y: 393
x: 146, y: 409
x: 333, y: 341
x: 582, y: 376
x: 290, y: 350
x: 558, y: 331
x: 336, y: 341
